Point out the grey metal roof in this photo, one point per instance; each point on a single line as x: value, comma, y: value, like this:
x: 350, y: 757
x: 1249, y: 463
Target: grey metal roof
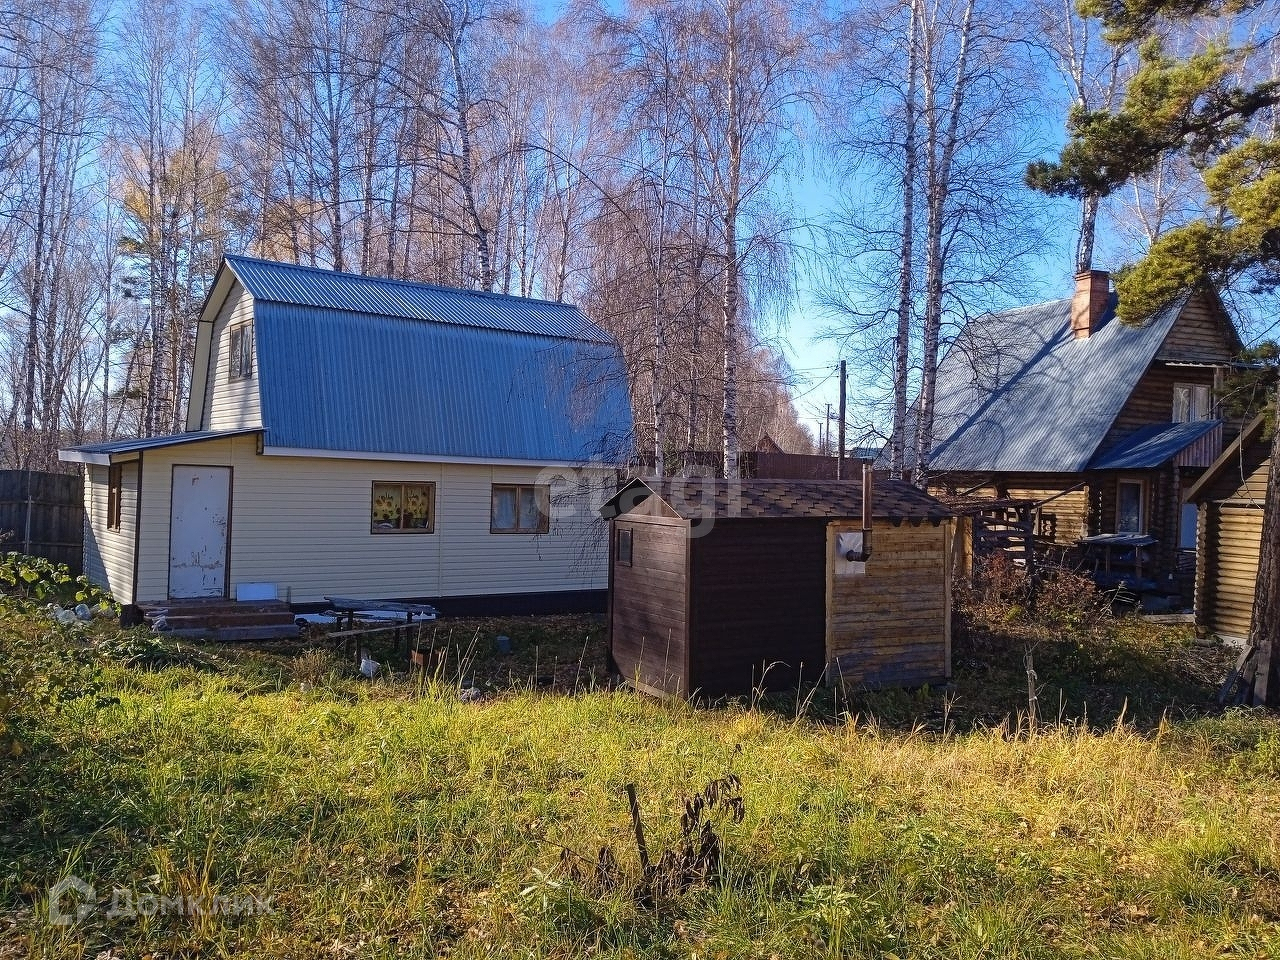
x: 1018, y: 392
x: 360, y: 364
x: 328, y: 289
x: 1151, y: 446
x: 695, y: 498
x: 150, y: 443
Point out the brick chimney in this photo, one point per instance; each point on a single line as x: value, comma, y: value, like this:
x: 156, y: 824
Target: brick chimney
x: 1093, y: 289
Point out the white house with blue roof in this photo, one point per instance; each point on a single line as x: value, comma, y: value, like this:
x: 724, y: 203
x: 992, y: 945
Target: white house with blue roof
x: 369, y: 437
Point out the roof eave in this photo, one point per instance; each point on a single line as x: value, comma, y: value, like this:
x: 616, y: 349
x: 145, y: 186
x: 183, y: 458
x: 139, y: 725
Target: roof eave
x: 382, y: 455
x: 74, y: 455
x: 105, y: 454
x: 1249, y: 434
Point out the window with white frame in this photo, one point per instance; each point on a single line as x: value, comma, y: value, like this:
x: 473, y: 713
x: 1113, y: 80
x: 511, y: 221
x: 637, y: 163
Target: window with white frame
x: 1191, y: 401
x: 240, y: 359
x: 520, y: 508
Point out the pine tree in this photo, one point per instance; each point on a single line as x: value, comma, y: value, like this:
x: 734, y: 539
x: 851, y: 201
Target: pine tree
x: 1209, y: 107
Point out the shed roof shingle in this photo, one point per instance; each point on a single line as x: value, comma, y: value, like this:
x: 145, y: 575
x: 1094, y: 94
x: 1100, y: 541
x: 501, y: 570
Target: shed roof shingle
x: 695, y: 498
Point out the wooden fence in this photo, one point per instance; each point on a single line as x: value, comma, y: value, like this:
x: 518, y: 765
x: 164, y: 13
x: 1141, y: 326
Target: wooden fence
x: 43, y: 514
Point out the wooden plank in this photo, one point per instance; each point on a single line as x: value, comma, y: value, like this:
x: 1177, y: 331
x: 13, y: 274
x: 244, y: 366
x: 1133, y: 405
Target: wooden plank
x: 1234, y: 675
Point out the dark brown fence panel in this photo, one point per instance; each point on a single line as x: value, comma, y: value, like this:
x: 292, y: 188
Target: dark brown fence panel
x: 43, y: 514
x: 794, y: 466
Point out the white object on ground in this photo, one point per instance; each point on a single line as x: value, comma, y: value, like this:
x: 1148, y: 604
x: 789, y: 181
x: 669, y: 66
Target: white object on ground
x: 256, y: 591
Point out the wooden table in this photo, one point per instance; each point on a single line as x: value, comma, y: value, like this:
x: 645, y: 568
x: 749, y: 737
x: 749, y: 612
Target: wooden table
x: 1107, y: 543
x: 347, y: 607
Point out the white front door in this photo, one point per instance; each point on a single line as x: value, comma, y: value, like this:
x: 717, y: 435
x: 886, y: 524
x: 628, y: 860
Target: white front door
x: 199, y: 522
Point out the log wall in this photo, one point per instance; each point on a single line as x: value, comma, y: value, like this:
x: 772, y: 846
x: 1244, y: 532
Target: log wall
x: 1230, y: 542
x: 1232, y: 533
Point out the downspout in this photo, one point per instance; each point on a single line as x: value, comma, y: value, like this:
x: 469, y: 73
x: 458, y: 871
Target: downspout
x: 137, y: 531
x: 868, y: 482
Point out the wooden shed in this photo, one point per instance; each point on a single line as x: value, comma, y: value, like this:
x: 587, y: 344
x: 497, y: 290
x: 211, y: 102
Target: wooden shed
x: 1230, y: 496
x: 721, y: 587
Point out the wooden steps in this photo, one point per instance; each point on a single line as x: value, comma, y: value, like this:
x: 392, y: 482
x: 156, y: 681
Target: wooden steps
x: 222, y: 620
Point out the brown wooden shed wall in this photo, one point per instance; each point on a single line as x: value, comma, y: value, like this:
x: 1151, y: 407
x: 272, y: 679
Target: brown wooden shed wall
x: 892, y: 625
x: 648, y: 605
x: 757, y: 596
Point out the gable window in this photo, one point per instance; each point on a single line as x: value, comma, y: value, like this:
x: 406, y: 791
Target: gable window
x: 1191, y: 402
x: 520, y: 508
x: 241, y: 352
x: 403, y: 507
x: 115, y: 494
x: 1131, y: 506
x: 622, y: 548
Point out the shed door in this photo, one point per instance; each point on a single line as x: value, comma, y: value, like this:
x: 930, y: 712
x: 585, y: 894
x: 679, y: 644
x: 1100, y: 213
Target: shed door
x: 198, y: 526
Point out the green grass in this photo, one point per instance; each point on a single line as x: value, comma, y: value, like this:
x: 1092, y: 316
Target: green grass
x: 392, y: 819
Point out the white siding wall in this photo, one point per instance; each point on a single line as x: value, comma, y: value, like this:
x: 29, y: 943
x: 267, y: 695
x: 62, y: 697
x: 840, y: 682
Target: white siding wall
x: 230, y: 404
x: 303, y: 524
x: 108, y: 554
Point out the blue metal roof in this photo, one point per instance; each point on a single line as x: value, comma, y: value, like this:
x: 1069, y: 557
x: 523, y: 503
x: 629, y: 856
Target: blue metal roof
x: 1017, y: 392
x: 1152, y: 446
x: 328, y: 289
x: 359, y: 364
x: 339, y: 380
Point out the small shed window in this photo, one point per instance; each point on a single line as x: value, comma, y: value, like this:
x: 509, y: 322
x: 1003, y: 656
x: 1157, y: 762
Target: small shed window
x: 403, y: 507
x: 241, y: 359
x: 520, y: 508
x: 1191, y: 402
x: 115, y: 494
x: 622, y: 548
x: 1131, y: 507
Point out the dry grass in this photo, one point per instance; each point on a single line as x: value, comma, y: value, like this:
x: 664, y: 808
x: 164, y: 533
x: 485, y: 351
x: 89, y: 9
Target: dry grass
x: 392, y: 819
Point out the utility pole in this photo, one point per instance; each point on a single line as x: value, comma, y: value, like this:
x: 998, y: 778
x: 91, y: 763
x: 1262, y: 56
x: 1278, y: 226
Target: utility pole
x: 826, y: 446
x: 840, y: 426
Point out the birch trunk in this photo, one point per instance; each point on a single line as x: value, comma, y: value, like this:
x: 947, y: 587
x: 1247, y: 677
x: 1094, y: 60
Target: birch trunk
x: 939, y: 155
x: 732, y: 199
x: 902, y: 342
